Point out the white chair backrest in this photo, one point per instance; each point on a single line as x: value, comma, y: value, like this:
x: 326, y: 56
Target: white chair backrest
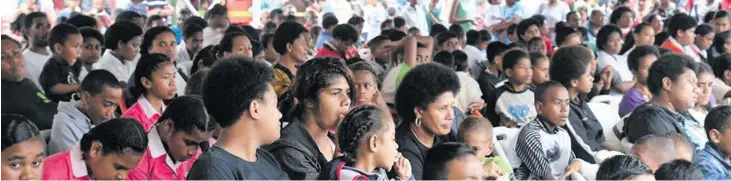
x: 627, y: 146
x: 606, y: 115
x: 505, y: 138
x: 497, y: 148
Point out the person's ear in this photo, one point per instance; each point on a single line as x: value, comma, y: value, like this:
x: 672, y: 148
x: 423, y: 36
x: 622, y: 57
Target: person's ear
x: 574, y: 82
x: 373, y: 143
x: 57, y: 47
x: 667, y: 83
x: 309, y: 103
x: 726, y: 74
x: 147, y: 83
x: 418, y: 112
x: 85, y: 97
x: 508, y: 72
x: 168, y: 124
x: 289, y: 47
x: 539, y: 107
x: 715, y: 136
x: 95, y: 151
x: 254, y: 109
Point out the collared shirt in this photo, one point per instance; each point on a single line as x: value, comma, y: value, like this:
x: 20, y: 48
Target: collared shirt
x: 712, y: 164
x: 673, y: 44
x: 121, y: 69
x: 542, y: 151
x: 156, y: 164
x: 67, y: 165
x: 416, y: 17
x: 144, y: 112
x: 324, y: 37
x: 328, y: 50
x: 34, y: 65
x: 649, y: 119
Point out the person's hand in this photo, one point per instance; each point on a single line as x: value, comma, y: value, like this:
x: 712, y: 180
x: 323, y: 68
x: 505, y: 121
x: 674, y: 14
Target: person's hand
x: 515, y: 19
x: 606, y: 76
x: 402, y: 166
x: 575, y: 166
x: 491, y: 169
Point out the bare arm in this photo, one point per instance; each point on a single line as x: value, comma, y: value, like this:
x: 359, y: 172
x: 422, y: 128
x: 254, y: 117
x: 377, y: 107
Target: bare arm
x: 453, y: 14
x: 64, y: 88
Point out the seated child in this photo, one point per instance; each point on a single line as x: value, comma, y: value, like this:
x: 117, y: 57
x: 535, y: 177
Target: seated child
x: 452, y: 161
x: 541, y: 64
x: 624, y: 167
x: 512, y: 104
x: 60, y: 75
x: 367, y: 140
x: 713, y: 160
x: 679, y: 170
x: 22, y: 148
x: 477, y: 133
x: 545, y: 147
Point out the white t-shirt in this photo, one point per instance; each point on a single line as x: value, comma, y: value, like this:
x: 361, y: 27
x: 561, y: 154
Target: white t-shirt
x: 492, y: 15
x: 34, y: 63
x: 121, y: 71
x: 468, y: 93
x: 554, y: 14
x: 474, y: 56
x: 618, y: 62
x: 211, y: 36
x: 416, y: 17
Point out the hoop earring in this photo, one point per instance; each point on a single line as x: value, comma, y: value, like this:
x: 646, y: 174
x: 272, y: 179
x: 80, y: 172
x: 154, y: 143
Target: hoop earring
x: 417, y: 122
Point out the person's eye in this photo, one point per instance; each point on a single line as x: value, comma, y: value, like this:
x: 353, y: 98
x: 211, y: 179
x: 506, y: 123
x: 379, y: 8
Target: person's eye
x: 37, y: 163
x: 14, y: 165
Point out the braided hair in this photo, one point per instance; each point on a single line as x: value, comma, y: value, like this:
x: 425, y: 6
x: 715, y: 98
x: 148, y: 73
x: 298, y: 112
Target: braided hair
x: 116, y: 135
x: 358, y: 125
x: 17, y: 129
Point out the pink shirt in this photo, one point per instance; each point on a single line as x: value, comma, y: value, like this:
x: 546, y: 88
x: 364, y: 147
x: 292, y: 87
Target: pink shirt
x: 157, y: 165
x: 67, y: 165
x: 143, y: 112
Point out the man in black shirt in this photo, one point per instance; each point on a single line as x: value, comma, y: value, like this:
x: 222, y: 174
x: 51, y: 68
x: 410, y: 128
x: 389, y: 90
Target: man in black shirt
x: 672, y: 83
x: 20, y: 95
x: 248, y: 113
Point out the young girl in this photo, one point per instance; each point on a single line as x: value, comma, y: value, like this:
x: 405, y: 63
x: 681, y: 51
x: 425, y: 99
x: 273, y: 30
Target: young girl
x: 540, y: 68
x: 22, y: 150
x: 694, y: 127
x: 367, y: 139
x: 108, y: 152
x: 155, y: 80
x: 162, y: 40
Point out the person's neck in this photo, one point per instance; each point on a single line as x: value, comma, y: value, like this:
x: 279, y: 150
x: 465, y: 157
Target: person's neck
x: 191, y: 53
x: 155, y: 102
x: 517, y: 87
x: 548, y: 123
x: 118, y: 56
x: 424, y: 136
x: 573, y: 93
x: 664, y: 101
x: 596, y: 26
x: 288, y: 62
x: 88, y: 66
x: 39, y: 50
x: 366, y: 165
x: 552, y: 3
x: 316, y: 132
x: 231, y: 141
x: 494, y: 69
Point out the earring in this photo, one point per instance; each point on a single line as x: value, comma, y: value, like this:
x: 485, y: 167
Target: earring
x: 417, y: 122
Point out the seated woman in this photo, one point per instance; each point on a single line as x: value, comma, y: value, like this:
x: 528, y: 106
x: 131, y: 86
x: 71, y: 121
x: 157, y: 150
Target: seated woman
x: 323, y: 89
x: 424, y: 103
x: 22, y: 149
x: 108, y: 152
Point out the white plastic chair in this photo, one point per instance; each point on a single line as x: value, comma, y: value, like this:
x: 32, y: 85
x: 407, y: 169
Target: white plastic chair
x: 627, y: 146
x: 505, y: 137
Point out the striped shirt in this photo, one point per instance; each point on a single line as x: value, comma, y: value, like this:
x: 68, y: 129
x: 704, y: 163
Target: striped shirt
x: 543, y: 151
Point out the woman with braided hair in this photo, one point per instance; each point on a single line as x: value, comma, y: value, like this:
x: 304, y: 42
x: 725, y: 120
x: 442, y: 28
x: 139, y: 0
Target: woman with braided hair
x: 367, y: 140
x: 22, y: 149
x: 107, y: 152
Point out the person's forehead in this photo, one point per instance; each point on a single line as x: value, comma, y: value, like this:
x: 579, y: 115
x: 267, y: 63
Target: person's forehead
x: 8, y: 45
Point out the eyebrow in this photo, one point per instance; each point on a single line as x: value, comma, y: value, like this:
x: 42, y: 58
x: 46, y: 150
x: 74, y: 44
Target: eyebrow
x: 16, y: 157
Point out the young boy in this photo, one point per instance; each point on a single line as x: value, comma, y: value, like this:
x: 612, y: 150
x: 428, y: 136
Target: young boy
x: 494, y: 73
x: 639, y: 61
x: 415, y: 51
x: 343, y: 38
x: 544, y: 146
x: 249, y: 116
x: 571, y: 66
x: 470, y: 95
x: 448, y: 41
x: 174, y: 141
x: 511, y: 104
x: 477, y: 133
x: 91, y: 50
x: 713, y: 160
x: 100, y: 95
x: 60, y: 75
x: 679, y: 170
x: 108, y: 152
x: 541, y: 64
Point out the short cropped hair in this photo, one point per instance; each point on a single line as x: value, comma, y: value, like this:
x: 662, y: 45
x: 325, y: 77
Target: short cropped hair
x: 60, y: 33
x: 718, y: 118
x: 494, y: 49
x: 439, y: 157
x: 436, y: 29
x: 473, y: 125
x: 87, y: 33
x: 680, y: 21
x: 95, y: 82
x: 80, y: 21
x: 128, y: 16
x: 445, y: 36
x: 622, y: 167
x: 671, y: 66
x: 460, y: 60
x: 445, y: 58
x: 679, y: 170
x: 215, y: 11
x: 473, y: 37
x: 286, y: 34
x: 512, y: 57
x: 329, y: 21
x: 633, y: 59
x: 345, y: 32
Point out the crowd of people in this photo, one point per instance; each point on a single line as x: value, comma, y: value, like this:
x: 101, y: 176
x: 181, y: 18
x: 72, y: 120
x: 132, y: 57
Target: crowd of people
x: 414, y: 98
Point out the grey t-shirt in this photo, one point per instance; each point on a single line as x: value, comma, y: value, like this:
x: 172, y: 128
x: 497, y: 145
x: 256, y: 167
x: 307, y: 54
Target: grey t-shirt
x: 218, y: 164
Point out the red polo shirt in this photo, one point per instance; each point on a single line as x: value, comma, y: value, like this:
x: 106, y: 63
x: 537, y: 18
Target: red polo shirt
x: 157, y: 165
x: 67, y: 165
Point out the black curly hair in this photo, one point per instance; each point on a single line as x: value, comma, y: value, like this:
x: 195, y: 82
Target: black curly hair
x: 422, y: 86
x: 569, y: 63
x: 358, y: 125
x: 313, y: 76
